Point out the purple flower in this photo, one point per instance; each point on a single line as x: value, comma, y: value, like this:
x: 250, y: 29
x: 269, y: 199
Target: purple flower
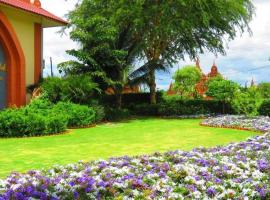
x: 211, y: 192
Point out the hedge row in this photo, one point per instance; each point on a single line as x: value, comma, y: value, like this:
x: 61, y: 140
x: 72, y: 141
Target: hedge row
x: 177, y: 108
x: 43, y: 118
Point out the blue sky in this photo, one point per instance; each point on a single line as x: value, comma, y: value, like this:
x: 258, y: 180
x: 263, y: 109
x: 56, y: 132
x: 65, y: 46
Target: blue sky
x: 245, y: 59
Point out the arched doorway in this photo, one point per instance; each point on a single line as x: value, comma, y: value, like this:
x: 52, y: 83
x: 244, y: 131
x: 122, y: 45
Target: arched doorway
x: 13, y: 84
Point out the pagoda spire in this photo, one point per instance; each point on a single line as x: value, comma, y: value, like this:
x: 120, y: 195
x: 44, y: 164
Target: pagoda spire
x: 252, y: 82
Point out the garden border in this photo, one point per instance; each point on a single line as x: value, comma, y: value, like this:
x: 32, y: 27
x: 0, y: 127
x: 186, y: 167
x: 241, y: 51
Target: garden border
x: 232, y: 127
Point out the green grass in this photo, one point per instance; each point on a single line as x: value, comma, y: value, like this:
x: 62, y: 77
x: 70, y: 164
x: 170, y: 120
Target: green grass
x: 107, y: 140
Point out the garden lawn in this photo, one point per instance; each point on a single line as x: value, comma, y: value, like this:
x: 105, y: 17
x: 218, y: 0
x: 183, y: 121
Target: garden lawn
x: 133, y: 137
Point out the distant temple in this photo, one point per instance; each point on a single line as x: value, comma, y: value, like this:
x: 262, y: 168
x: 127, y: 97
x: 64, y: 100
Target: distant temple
x: 126, y: 90
x: 201, y: 87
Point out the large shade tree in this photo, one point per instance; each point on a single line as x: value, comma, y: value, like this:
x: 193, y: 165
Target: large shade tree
x: 164, y: 31
x: 170, y: 30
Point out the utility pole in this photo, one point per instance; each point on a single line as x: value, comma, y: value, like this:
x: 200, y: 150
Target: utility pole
x: 51, y: 67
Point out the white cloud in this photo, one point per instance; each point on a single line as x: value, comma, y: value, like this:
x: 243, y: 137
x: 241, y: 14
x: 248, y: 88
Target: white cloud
x: 244, y: 52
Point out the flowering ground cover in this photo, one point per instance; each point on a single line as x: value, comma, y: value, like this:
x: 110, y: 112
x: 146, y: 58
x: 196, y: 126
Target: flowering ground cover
x: 235, y: 171
x: 261, y: 123
x: 135, y: 137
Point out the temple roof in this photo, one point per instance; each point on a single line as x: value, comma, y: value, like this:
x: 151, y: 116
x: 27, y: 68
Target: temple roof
x: 36, y: 9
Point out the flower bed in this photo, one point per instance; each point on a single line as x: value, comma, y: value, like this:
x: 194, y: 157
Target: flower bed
x: 236, y: 171
x: 261, y: 123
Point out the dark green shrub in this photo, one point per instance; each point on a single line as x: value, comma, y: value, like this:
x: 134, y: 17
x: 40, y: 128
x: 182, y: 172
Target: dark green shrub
x: 18, y: 123
x: 12, y: 123
x: 129, y: 99
x: 265, y: 108
x: 56, y: 123
x: 39, y: 105
x: 113, y: 114
x: 145, y: 109
x: 77, y: 89
x: 99, y: 113
x: 77, y: 115
x: 53, y: 86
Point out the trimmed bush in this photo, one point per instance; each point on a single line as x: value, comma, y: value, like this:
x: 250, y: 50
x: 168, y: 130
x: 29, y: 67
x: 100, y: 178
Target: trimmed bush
x: 265, y: 108
x: 178, y: 107
x: 22, y: 123
x: 41, y: 117
x: 56, y: 123
x: 77, y: 115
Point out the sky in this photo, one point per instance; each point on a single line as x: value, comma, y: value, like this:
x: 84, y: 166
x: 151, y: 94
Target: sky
x: 247, y: 57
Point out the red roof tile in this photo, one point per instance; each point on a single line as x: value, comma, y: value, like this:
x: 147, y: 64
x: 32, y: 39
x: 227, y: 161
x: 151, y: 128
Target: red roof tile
x: 28, y: 7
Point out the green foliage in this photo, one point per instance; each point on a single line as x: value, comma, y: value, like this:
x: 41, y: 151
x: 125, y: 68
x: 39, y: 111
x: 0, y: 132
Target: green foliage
x: 145, y: 109
x: 185, y: 81
x: 170, y: 30
x: 265, y: 108
x: 106, y: 51
x: 178, y: 107
x: 247, y: 102
x: 222, y: 90
x: 30, y: 122
x: 112, y: 33
x: 77, y: 115
x: 99, y: 113
x: 264, y: 89
x: 113, y: 114
x: 77, y: 89
x: 41, y: 118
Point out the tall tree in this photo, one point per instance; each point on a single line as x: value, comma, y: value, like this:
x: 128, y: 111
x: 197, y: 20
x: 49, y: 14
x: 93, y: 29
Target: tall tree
x: 164, y: 31
x: 185, y: 81
x: 106, y: 50
x: 169, y: 30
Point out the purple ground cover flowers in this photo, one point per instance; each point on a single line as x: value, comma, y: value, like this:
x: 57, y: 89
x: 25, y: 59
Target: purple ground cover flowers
x: 260, y: 123
x: 236, y: 171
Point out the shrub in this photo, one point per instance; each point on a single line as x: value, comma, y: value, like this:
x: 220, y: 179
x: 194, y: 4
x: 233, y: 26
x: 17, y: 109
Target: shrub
x: 56, y: 123
x: 113, y: 114
x: 77, y: 115
x: 42, y: 118
x: 77, y: 89
x: 130, y: 99
x: 53, y: 86
x: 145, y: 109
x: 99, y: 113
x: 247, y: 102
x: 265, y: 108
x: 22, y: 123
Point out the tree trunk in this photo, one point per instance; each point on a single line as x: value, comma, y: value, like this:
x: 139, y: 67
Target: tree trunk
x: 223, y: 107
x: 152, y: 85
x: 118, y: 94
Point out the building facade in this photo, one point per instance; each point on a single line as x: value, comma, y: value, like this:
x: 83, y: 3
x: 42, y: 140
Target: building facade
x: 21, y: 47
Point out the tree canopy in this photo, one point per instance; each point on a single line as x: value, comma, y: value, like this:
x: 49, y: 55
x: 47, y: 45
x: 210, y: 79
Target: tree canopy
x: 160, y: 32
x: 185, y: 80
x: 264, y: 89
